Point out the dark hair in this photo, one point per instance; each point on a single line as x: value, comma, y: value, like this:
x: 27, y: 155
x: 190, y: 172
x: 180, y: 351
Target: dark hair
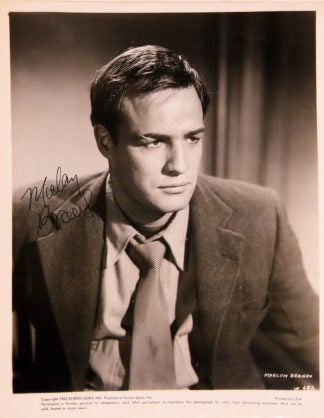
x: 136, y: 71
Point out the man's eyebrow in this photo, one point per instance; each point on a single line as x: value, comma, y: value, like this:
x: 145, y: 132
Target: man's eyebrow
x: 165, y: 137
x: 195, y: 132
x: 152, y: 135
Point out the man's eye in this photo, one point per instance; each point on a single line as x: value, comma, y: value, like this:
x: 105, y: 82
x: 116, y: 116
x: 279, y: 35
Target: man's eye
x: 194, y: 139
x: 153, y: 144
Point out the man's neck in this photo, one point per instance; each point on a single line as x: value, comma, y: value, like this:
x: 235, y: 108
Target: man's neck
x: 148, y: 230
x: 147, y: 226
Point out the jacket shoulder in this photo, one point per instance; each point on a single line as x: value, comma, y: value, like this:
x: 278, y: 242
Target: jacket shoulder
x: 238, y: 195
x: 54, y: 191
x: 30, y: 200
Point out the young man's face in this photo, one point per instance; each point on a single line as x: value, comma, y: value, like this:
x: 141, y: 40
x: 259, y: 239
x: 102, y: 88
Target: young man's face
x: 155, y: 161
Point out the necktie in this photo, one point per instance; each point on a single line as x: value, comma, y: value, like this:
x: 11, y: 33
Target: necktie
x: 151, y: 360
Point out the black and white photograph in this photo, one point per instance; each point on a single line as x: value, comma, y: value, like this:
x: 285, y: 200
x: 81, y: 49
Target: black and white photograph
x: 165, y: 201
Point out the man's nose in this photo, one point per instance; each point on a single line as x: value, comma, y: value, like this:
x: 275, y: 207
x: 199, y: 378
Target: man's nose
x: 176, y: 162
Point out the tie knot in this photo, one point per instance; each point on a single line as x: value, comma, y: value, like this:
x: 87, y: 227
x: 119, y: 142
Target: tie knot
x: 148, y: 255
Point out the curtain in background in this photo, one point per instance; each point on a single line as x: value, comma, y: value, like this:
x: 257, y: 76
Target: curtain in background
x: 264, y: 101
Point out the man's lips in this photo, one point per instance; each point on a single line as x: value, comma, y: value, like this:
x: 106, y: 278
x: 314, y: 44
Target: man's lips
x: 175, y: 188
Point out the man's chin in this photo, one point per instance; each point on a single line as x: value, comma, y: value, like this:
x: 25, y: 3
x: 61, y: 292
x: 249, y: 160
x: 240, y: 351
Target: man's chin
x: 173, y: 203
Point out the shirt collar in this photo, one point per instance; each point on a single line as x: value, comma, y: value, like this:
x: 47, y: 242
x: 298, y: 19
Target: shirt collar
x: 175, y: 235
x: 119, y: 232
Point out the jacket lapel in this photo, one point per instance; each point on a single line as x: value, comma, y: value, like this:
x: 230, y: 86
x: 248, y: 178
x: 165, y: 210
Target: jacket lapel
x: 216, y: 252
x: 71, y: 258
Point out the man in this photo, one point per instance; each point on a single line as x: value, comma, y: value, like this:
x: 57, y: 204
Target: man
x: 152, y: 277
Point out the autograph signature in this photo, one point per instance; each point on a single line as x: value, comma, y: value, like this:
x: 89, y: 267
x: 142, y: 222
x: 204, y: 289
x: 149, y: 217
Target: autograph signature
x: 48, y: 219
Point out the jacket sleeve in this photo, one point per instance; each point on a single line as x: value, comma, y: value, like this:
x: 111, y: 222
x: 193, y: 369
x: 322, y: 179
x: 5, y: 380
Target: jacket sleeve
x: 289, y: 332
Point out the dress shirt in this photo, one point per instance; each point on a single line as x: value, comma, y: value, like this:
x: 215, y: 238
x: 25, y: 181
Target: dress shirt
x: 119, y: 279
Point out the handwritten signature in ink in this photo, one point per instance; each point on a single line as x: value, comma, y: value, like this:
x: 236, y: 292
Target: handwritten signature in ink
x: 47, y: 219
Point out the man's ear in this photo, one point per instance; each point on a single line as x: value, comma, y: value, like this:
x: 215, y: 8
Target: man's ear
x: 104, y: 140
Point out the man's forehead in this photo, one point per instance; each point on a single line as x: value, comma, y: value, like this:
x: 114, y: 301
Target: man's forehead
x: 162, y: 102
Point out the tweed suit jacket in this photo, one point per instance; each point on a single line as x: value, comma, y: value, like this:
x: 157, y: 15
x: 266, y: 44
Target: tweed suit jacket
x: 256, y: 313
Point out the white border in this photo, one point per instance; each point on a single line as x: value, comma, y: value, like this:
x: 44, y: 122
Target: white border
x: 29, y: 405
